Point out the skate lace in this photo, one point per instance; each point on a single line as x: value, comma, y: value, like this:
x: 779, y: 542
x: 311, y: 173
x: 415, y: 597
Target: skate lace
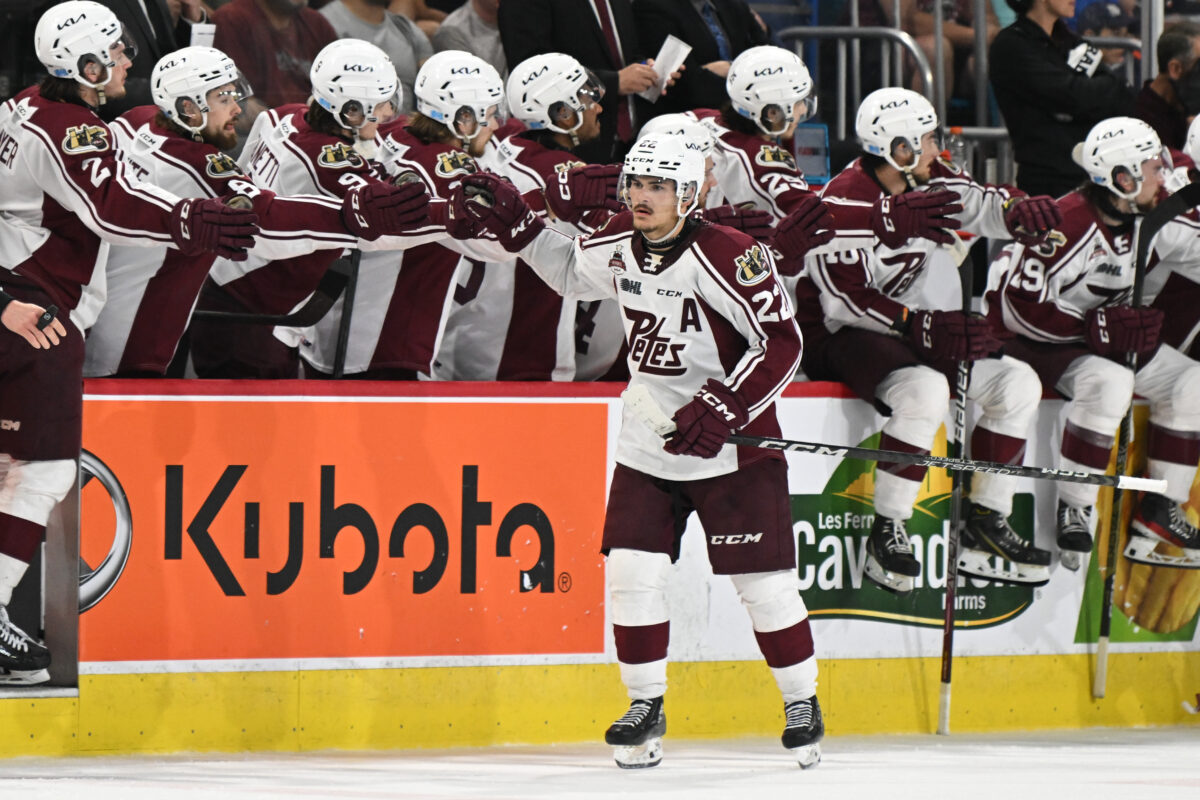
x: 1072, y: 519
x: 897, y: 539
x: 799, y: 714
x: 1179, y: 522
x: 10, y: 634
x: 637, y: 713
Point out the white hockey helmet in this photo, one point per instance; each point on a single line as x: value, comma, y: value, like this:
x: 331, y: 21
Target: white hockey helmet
x: 1115, y: 147
x: 190, y: 74
x: 544, y: 90
x: 1191, y: 146
x: 457, y: 88
x: 768, y: 81
x: 680, y: 125
x: 891, y: 117
x: 350, y: 78
x: 669, y: 158
x: 71, y: 35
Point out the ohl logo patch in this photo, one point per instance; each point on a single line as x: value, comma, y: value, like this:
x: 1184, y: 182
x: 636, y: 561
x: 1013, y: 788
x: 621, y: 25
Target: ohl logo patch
x: 221, y: 165
x: 340, y: 156
x: 751, y: 266
x: 454, y: 162
x: 85, y: 139
x: 773, y: 156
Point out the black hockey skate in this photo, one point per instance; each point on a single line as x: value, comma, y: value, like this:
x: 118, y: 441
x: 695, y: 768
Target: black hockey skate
x: 986, y: 535
x: 1161, y: 519
x: 23, y: 660
x: 890, y: 562
x: 637, y: 736
x: 804, y: 731
x: 1074, y: 534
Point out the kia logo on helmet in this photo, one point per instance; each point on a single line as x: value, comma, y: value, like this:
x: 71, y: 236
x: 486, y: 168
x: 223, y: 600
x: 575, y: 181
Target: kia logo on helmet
x: 69, y: 21
x: 464, y: 71
x: 758, y: 73
x: 539, y: 73
x: 1112, y: 134
x: 357, y: 68
x: 894, y: 104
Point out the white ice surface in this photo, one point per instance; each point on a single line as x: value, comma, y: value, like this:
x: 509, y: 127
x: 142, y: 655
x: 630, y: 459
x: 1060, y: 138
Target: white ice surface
x: 1088, y: 765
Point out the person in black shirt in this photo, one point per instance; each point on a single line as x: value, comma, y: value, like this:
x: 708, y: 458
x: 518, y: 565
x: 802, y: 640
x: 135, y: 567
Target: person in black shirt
x: 1051, y: 92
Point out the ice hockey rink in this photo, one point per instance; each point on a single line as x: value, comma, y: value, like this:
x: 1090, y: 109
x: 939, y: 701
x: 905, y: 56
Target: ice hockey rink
x: 1108, y: 764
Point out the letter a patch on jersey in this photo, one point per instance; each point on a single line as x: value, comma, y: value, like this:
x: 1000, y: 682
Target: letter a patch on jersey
x: 751, y: 266
x: 222, y: 166
x: 340, y: 156
x: 454, y: 162
x: 774, y: 156
x: 85, y: 139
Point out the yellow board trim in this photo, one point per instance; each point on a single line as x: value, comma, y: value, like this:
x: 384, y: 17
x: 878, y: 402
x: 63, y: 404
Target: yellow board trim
x: 480, y: 706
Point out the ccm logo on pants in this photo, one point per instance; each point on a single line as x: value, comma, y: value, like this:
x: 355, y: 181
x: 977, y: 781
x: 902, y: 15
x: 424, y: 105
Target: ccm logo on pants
x: 736, y: 538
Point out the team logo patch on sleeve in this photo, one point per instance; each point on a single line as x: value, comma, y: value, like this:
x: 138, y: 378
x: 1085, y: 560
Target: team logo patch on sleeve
x: 221, y: 166
x: 770, y: 155
x: 751, y: 266
x: 567, y: 166
x: 85, y: 139
x: 454, y: 162
x: 340, y: 156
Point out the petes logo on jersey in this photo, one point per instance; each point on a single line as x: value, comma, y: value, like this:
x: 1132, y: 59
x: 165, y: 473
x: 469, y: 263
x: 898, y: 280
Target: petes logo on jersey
x: 773, y: 156
x: 340, y: 156
x: 85, y: 139
x: 752, y: 266
x: 221, y: 166
x: 454, y: 162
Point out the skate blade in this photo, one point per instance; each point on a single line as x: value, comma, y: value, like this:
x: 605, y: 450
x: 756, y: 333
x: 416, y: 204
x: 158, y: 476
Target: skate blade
x: 978, y: 564
x: 1144, y: 550
x: 807, y: 756
x: 639, y: 756
x: 1071, y: 559
x: 897, y: 584
x: 18, y: 677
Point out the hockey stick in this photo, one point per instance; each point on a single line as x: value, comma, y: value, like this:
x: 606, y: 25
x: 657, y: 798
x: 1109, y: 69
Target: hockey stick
x: 644, y: 407
x: 1181, y: 202
x: 962, y: 384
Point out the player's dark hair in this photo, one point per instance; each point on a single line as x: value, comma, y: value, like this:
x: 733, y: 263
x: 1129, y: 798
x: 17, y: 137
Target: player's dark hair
x: 1020, y: 6
x: 736, y: 122
x: 161, y: 121
x: 322, y: 121
x: 429, y: 130
x: 1176, y: 43
x: 61, y: 90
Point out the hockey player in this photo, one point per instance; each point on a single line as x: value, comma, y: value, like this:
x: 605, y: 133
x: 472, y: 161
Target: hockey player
x: 1067, y: 300
x: 711, y: 334
x: 65, y: 197
x: 177, y: 144
x: 862, y: 315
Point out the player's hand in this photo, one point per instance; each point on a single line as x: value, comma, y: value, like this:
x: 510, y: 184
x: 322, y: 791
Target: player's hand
x: 750, y: 221
x: 1084, y: 58
x: 809, y: 225
x: 1031, y: 219
x: 208, y: 225
x: 39, y: 326
x: 455, y: 219
x: 499, y: 207
x: 704, y: 425
x: 923, y: 215
x: 1117, y: 330
x: 940, y: 336
x: 582, y: 189
x: 375, y: 209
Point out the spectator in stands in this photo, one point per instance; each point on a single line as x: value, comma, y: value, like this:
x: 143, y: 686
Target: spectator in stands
x: 474, y: 27
x: 157, y: 27
x: 428, y: 19
x: 1051, y: 92
x: 393, y: 33
x: 718, y: 32
x: 600, y: 34
x: 1172, y: 99
x: 958, y: 35
x: 273, y: 42
x: 1105, y: 19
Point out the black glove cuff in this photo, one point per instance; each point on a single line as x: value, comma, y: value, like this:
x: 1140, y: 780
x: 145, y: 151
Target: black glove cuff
x: 5, y: 299
x: 903, y: 323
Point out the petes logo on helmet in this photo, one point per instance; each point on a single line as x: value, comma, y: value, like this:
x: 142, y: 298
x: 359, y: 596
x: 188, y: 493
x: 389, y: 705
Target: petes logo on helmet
x: 222, y: 166
x: 774, y: 156
x: 454, y: 162
x: 751, y: 266
x: 339, y: 156
x: 85, y: 139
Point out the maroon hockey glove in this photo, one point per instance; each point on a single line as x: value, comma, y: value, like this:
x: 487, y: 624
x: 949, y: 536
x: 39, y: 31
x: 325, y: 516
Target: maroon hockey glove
x: 1117, y: 330
x: 1031, y: 219
x: 704, y: 425
x: 498, y: 205
x: 951, y: 336
x: 916, y: 215
x: 581, y: 189
x: 208, y: 225
x: 809, y: 225
x: 749, y: 221
x: 375, y: 209
x: 455, y: 219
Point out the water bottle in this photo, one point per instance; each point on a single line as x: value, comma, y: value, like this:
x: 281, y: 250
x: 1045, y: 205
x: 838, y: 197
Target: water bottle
x: 956, y: 146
